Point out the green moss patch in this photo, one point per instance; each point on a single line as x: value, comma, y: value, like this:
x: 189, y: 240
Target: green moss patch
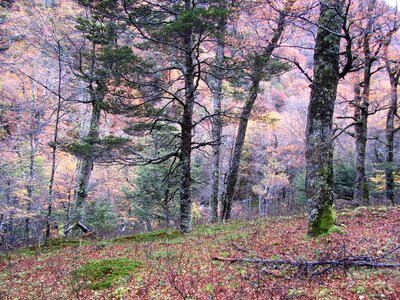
x: 162, y: 254
x: 161, y: 235
x: 325, y: 222
x: 213, y: 229
x: 101, y: 274
x: 60, y: 243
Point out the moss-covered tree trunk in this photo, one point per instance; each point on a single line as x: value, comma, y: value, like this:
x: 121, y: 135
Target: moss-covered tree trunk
x: 259, y: 64
x: 319, y: 143
x: 187, y: 126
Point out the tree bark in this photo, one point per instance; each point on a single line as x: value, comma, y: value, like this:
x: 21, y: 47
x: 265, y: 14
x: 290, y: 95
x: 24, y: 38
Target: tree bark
x: 361, y: 192
x: 54, y: 151
x: 187, y: 126
x: 86, y: 164
x: 389, y: 176
x: 29, y: 189
x: 259, y: 63
x: 34, y: 129
x: 319, y: 143
x: 390, y: 129
x: 217, y: 121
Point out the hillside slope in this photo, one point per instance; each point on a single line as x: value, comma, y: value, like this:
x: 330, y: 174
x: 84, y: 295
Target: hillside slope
x: 165, y: 265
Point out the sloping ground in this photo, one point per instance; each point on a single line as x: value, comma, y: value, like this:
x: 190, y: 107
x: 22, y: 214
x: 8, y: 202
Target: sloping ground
x: 169, y: 266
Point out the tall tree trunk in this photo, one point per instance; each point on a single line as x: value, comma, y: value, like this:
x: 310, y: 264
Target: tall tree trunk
x: 54, y: 151
x: 239, y: 142
x: 86, y: 165
x: 390, y: 131
x: 165, y: 206
x: 187, y: 126
x: 319, y: 143
x: 260, y: 61
x: 34, y: 128
x: 29, y: 188
x: 216, y: 84
x: 361, y: 192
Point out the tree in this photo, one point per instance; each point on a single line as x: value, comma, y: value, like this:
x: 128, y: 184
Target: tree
x: 216, y: 85
x: 393, y: 72
x: 54, y: 145
x: 362, y: 101
x: 262, y: 66
x: 319, y: 143
x: 98, y: 62
x: 174, y: 32
x: 364, y: 35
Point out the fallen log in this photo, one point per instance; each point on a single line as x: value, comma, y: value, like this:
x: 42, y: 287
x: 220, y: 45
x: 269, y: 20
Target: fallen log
x: 313, y: 267
x: 348, y: 262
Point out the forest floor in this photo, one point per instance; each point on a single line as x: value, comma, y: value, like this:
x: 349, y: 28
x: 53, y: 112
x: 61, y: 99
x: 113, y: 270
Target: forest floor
x: 166, y: 265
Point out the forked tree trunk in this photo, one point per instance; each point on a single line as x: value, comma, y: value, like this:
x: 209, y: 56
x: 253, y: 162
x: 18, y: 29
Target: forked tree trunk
x: 319, y: 143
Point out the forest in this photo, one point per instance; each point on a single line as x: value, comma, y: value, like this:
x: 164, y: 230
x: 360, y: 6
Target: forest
x: 135, y: 132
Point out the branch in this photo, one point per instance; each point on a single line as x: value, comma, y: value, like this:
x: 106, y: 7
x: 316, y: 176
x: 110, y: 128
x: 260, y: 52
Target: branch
x: 311, y: 267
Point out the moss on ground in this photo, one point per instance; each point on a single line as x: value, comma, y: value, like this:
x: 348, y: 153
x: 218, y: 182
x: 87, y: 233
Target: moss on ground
x: 101, y: 274
x: 162, y: 235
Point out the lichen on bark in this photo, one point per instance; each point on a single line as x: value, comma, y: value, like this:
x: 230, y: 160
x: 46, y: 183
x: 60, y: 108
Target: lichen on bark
x: 319, y: 133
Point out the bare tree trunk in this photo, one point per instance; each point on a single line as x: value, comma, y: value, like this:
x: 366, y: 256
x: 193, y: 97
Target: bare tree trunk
x: 361, y: 193
x: 34, y: 128
x: 260, y: 61
x: 217, y: 123
x: 54, y: 151
x: 186, y: 139
x: 319, y: 143
x: 29, y: 188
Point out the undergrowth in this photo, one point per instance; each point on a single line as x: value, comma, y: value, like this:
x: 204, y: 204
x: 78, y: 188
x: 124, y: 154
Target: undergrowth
x: 101, y: 274
x: 150, y: 236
